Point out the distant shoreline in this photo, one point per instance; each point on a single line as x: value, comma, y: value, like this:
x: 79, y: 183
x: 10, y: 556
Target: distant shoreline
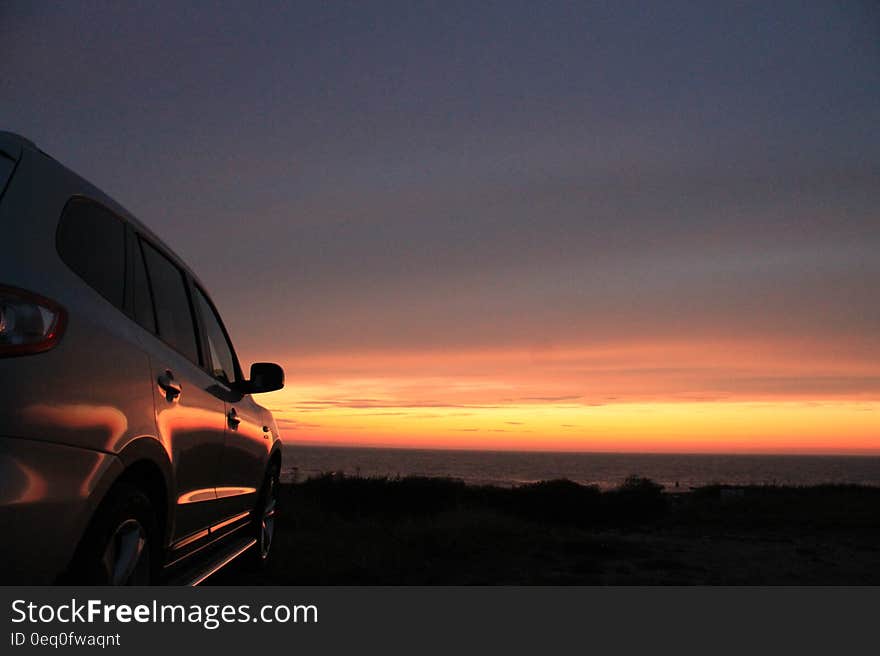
x: 721, y: 487
x: 510, y: 468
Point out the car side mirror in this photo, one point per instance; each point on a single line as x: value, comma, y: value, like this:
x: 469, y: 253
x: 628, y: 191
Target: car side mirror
x: 265, y: 377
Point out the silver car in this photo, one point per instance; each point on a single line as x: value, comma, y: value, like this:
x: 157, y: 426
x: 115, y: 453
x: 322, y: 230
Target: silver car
x: 131, y: 449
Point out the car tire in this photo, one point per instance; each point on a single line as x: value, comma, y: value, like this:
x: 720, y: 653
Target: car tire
x: 265, y: 519
x: 120, y: 546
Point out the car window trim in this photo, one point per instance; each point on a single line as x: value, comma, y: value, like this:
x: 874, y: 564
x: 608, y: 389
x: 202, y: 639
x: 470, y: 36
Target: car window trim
x: 207, y: 355
x: 185, y: 278
x: 134, y: 251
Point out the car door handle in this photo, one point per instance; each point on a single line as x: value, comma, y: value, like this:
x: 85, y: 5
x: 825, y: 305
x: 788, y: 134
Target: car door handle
x: 232, y: 418
x: 171, y: 388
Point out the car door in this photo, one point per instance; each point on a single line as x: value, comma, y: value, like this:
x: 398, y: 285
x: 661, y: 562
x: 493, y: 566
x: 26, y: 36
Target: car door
x: 247, y: 439
x: 190, y: 411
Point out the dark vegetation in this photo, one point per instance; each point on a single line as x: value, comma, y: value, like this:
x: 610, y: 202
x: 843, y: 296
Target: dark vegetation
x: 340, y: 530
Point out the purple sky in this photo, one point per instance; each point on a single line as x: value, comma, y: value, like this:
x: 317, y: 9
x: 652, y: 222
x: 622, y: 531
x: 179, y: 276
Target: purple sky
x: 447, y: 175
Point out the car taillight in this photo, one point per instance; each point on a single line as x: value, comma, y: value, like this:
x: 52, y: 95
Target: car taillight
x: 28, y: 323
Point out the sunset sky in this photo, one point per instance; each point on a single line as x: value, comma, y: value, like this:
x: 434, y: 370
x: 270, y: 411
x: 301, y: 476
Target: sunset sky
x: 508, y: 225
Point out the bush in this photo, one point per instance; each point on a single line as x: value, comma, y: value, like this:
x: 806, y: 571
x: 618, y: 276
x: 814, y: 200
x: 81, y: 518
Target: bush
x: 359, y: 496
x: 638, y: 499
x: 559, y: 501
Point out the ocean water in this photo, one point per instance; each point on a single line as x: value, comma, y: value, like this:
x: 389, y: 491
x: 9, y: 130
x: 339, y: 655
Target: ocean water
x: 607, y: 470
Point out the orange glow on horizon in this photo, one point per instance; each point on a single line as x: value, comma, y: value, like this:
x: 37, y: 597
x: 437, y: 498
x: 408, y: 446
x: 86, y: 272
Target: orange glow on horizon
x: 732, y: 397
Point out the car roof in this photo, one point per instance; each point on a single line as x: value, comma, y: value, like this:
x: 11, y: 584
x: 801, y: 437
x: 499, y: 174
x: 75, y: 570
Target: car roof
x: 12, y: 144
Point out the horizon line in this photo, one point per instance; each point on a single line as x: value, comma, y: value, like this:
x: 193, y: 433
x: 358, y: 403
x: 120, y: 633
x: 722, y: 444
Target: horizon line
x: 808, y: 454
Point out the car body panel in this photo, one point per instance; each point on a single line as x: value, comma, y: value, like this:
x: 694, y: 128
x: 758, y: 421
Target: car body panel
x: 245, y: 454
x: 48, y: 494
x: 191, y: 426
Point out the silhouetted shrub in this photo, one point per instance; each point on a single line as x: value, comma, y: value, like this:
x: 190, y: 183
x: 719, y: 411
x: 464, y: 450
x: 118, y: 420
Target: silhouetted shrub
x: 780, y: 507
x: 358, y: 496
x: 638, y: 499
x: 641, y: 485
x: 558, y: 501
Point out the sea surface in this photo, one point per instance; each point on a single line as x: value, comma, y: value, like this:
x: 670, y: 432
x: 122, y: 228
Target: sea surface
x: 508, y: 468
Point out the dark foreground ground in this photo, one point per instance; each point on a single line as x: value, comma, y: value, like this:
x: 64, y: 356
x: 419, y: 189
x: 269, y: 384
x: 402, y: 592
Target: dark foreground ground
x: 416, y: 531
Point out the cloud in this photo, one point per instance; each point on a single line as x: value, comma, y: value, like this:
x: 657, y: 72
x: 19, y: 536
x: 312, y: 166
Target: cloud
x: 293, y: 424
x: 367, y: 404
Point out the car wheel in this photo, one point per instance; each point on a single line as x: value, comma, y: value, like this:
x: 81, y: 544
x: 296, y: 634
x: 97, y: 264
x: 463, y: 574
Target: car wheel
x: 120, y: 544
x: 264, y: 516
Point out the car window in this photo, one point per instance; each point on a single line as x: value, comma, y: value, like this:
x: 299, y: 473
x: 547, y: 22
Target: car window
x: 91, y: 241
x: 141, y: 296
x: 222, y: 362
x: 174, y: 319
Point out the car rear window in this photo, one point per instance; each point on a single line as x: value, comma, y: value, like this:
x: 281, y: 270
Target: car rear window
x: 91, y: 241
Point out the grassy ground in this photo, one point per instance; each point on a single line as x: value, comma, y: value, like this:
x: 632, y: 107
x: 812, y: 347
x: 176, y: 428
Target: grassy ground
x: 417, y: 531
